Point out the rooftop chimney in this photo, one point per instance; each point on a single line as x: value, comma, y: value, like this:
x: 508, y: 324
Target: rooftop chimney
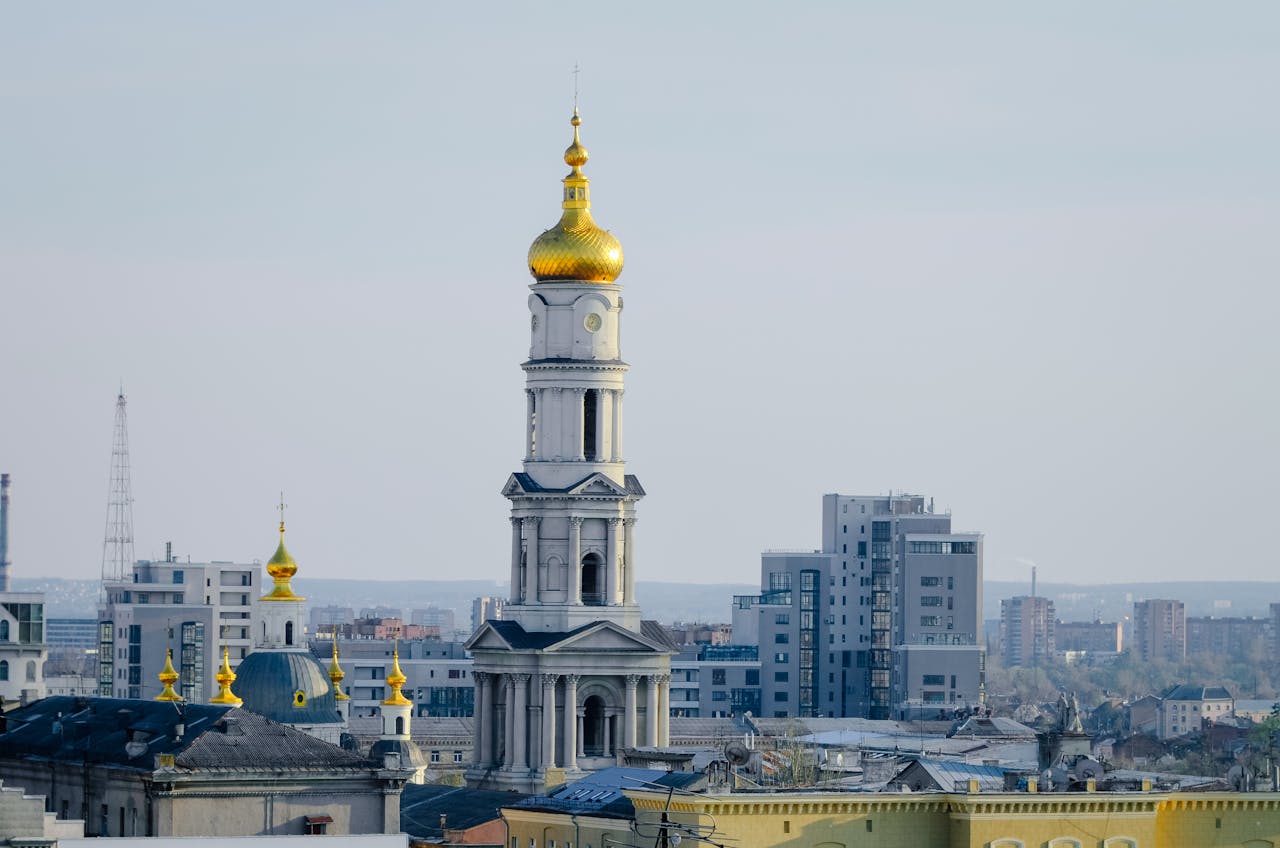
x: 4, y: 532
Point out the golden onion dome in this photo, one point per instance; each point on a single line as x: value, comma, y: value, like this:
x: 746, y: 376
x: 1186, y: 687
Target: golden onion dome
x: 168, y: 677
x: 282, y: 567
x: 395, y: 680
x: 576, y: 248
x: 225, y: 678
x: 336, y: 673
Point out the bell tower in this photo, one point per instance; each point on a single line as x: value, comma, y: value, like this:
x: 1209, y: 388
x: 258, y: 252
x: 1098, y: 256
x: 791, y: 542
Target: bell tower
x: 573, y: 504
x: 571, y: 675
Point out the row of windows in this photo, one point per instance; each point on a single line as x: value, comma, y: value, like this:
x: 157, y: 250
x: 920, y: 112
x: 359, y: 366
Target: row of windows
x: 942, y: 547
x: 435, y: 756
x: 31, y: 670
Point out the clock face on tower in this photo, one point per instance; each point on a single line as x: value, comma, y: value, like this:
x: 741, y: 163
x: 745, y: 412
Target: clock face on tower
x: 592, y: 322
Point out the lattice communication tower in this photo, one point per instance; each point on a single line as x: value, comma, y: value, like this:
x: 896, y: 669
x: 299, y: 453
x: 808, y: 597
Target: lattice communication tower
x: 117, y: 543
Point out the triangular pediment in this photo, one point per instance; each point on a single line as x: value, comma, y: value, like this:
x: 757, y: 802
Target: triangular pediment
x: 604, y: 636
x: 487, y: 637
x: 598, y: 484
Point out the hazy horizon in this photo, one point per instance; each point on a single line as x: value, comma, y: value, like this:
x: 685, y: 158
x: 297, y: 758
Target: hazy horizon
x: 1015, y: 258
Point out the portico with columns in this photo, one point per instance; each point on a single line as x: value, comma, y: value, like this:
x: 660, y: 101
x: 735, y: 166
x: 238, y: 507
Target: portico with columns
x: 572, y: 675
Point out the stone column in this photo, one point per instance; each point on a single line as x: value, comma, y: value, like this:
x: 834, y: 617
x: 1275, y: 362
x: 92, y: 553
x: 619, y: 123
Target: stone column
x: 629, y: 561
x: 575, y: 559
x: 549, y: 720
x: 579, y: 432
x: 613, y: 567
x: 582, y: 737
x: 629, y: 712
x: 664, y: 710
x: 515, y: 560
x: 571, y: 721
x: 480, y: 738
x: 520, y: 755
x: 531, y: 416
x: 531, y: 559
x: 651, y: 710
x: 601, y: 451
x: 617, y: 425
x: 608, y: 735
x: 509, y: 722
x: 557, y: 429
x: 540, y: 431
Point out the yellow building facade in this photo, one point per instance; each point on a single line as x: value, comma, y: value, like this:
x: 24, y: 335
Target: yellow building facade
x: 941, y: 820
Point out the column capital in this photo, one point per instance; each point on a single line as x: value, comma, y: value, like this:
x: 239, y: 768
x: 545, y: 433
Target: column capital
x: 579, y: 391
x: 615, y: 521
x: 520, y: 679
x: 576, y: 520
x: 549, y: 680
x: 659, y: 678
x: 557, y: 389
x: 630, y: 522
x: 572, y: 679
x: 532, y: 519
x: 633, y: 680
x: 480, y: 677
x: 515, y: 521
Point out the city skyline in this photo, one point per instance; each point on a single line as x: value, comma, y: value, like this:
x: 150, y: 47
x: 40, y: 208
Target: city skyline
x: 299, y: 242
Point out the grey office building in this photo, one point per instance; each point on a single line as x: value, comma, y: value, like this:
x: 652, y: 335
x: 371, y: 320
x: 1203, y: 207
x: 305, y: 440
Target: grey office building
x: 866, y: 625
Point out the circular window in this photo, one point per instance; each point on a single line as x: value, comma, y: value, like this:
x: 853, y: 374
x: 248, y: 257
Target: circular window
x: 592, y: 322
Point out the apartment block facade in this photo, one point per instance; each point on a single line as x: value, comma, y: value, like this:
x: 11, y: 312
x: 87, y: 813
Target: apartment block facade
x: 1027, y: 631
x: 862, y: 626
x: 192, y: 608
x: 1160, y: 630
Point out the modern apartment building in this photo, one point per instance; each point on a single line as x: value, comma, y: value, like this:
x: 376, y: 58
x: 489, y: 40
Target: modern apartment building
x: 440, y: 681
x: 1240, y: 638
x: 195, y: 608
x: 715, y: 681
x: 1027, y: 631
x: 1160, y: 630
x: 861, y: 627
x: 1077, y: 639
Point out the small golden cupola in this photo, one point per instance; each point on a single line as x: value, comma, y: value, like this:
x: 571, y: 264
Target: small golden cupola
x: 225, y: 678
x: 282, y: 567
x: 576, y: 249
x: 336, y: 673
x: 168, y: 677
x: 395, y: 680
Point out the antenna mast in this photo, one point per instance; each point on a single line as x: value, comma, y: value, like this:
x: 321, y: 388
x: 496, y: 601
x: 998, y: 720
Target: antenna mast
x: 117, y: 543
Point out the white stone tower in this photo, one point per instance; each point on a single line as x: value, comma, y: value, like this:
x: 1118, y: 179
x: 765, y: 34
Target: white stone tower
x: 561, y: 679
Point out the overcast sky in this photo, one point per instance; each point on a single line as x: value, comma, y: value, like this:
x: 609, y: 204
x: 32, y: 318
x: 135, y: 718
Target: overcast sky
x: 1018, y: 258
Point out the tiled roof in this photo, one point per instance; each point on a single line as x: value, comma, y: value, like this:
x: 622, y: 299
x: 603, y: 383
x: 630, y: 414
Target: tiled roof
x: 1187, y: 692
x: 601, y: 793
x: 245, y: 740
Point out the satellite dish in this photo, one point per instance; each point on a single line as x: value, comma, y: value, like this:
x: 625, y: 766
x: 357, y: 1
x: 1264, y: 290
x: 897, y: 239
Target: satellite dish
x: 137, y: 749
x: 674, y: 839
x: 737, y: 753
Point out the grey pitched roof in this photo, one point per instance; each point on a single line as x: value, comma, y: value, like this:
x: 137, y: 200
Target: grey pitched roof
x: 947, y: 774
x: 523, y: 640
x: 630, y: 483
x: 655, y: 632
x: 1187, y: 692
x: 245, y: 740
x: 421, y: 806
x: 129, y: 733
x: 997, y: 727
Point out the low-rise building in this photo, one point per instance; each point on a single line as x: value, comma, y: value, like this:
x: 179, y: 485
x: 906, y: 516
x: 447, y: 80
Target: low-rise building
x: 1184, y: 709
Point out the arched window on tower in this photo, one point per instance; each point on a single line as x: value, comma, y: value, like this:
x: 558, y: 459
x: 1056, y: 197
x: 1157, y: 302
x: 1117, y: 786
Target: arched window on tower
x: 4, y: 630
x: 288, y: 632
x: 4, y: 669
x: 399, y: 725
x: 592, y: 588
x: 589, y: 403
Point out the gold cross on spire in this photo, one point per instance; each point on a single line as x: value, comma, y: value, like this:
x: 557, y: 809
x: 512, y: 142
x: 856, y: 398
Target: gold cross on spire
x: 576, y: 70
x: 281, y: 508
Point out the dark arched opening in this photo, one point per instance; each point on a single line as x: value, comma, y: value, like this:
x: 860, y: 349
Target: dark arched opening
x: 593, y: 727
x: 399, y: 725
x: 4, y: 630
x: 592, y: 591
x: 288, y: 632
x: 589, y: 403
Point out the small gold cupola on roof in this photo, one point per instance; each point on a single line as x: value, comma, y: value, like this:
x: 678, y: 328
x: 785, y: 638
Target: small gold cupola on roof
x: 395, y: 680
x: 225, y: 678
x: 168, y: 677
x: 576, y: 249
x: 336, y: 673
x: 282, y: 567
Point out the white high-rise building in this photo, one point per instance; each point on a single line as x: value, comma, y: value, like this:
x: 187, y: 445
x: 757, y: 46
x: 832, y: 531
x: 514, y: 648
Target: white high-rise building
x: 571, y: 673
